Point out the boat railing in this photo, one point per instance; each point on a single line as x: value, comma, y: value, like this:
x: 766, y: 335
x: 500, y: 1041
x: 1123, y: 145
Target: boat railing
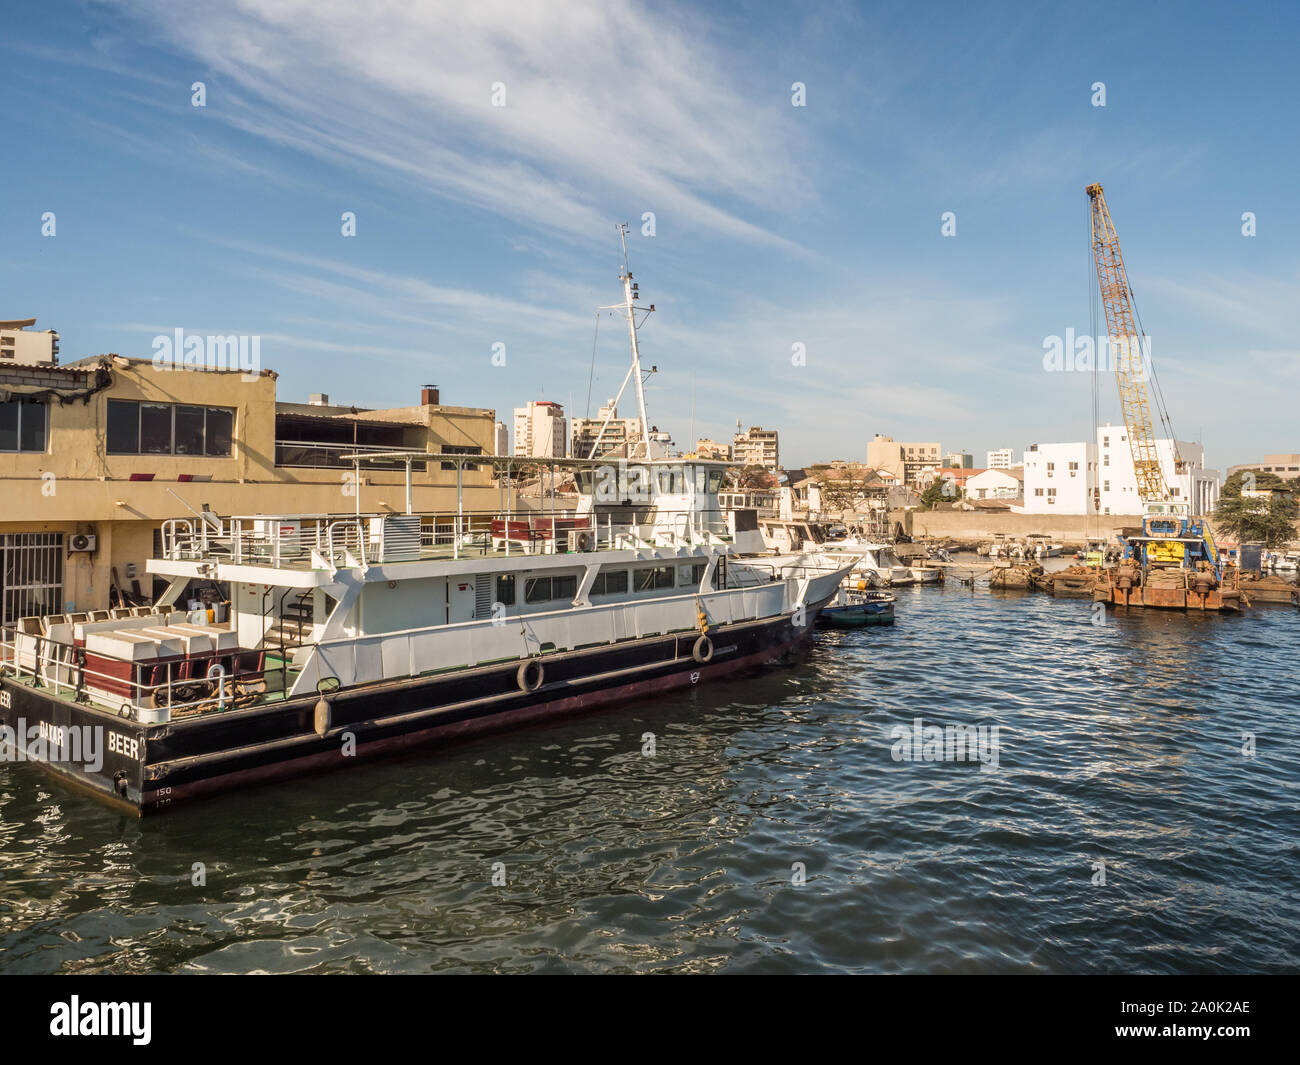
x: 360, y: 539
x: 156, y: 689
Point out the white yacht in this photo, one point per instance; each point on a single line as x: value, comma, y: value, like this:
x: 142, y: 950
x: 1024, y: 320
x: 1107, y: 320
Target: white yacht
x: 879, y: 563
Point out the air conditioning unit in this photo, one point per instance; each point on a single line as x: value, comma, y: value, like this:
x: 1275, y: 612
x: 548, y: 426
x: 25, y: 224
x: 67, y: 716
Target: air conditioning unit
x: 581, y: 540
x: 81, y: 542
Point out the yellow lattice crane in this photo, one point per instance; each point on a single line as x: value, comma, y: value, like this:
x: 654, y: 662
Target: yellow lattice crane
x: 1127, y: 350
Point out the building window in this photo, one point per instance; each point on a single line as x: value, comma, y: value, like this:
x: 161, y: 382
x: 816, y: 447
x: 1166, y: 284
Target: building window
x: 1105, y: 486
x: 23, y: 426
x: 31, y: 575
x: 460, y: 449
x: 1105, y: 459
x: 168, y: 429
x: 609, y: 582
x: 1038, y: 491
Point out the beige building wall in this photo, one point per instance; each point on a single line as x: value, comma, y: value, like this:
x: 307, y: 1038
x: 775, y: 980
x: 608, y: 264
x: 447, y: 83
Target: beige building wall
x: 904, y: 459
x: 75, y: 486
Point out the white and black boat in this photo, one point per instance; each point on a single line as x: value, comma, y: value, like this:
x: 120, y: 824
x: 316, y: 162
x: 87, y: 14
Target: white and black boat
x: 347, y: 637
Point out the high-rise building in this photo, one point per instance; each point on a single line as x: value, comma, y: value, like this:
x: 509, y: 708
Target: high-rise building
x: 620, y: 435
x: 502, y: 437
x: 757, y: 446
x: 1002, y: 459
x: 541, y: 430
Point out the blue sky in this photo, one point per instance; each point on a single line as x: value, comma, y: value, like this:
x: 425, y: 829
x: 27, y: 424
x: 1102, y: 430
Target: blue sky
x: 775, y: 224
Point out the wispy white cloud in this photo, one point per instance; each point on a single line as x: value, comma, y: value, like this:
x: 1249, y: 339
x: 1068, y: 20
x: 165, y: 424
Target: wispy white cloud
x: 612, y: 102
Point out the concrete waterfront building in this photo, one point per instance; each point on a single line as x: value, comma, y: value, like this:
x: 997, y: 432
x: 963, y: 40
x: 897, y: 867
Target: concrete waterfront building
x: 541, y: 430
x: 1059, y: 478
x: 1001, y: 459
x: 757, y: 446
x: 712, y: 449
x: 23, y: 346
x: 1285, y: 466
x: 620, y: 434
x: 96, y: 455
x: 1099, y: 478
x: 907, y: 461
x: 1184, y: 469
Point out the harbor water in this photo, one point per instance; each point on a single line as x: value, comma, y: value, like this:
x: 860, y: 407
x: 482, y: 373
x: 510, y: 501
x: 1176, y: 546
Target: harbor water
x: 1143, y: 815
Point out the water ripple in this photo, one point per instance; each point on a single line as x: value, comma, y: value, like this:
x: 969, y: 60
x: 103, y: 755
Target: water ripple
x: 1120, y: 744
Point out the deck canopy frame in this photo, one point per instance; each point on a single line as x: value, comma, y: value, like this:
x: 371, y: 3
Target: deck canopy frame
x: 505, y: 469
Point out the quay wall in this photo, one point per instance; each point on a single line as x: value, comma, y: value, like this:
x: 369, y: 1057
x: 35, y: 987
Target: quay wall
x: 984, y: 525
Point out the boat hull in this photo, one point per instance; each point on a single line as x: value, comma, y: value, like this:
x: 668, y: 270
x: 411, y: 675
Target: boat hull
x: 151, y: 768
x: 853, y: 617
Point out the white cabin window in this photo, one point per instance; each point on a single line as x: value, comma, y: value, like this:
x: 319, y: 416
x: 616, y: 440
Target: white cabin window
x: 610, y: 582
x: 546, y: 589
x: 655, y: 577
x: 506, y: 589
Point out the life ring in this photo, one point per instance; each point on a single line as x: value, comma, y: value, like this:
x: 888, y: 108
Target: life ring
x: 530, y: 675
x: 702, y: 652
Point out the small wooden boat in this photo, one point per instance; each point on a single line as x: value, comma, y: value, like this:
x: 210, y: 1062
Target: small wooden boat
x: 852, y: 609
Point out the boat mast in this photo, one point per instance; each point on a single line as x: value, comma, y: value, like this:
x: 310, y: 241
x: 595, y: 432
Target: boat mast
x: 630, y: 294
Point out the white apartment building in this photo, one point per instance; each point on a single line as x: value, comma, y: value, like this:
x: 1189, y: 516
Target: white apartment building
x: 21, y: 346
x: 1189, y: 482
x: 1059, y: 478
x: 1001, y: 459
x: 1099, y: 478
x: 541, y: 430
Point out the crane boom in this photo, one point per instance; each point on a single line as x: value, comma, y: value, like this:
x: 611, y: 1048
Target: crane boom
x: 1126, y: 347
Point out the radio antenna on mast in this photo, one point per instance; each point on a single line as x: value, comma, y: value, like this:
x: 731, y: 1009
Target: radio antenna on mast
x: 629, y: 307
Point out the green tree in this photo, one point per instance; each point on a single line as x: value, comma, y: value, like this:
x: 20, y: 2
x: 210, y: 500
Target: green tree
x: 1270, y: 519
x: 939, y: 491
